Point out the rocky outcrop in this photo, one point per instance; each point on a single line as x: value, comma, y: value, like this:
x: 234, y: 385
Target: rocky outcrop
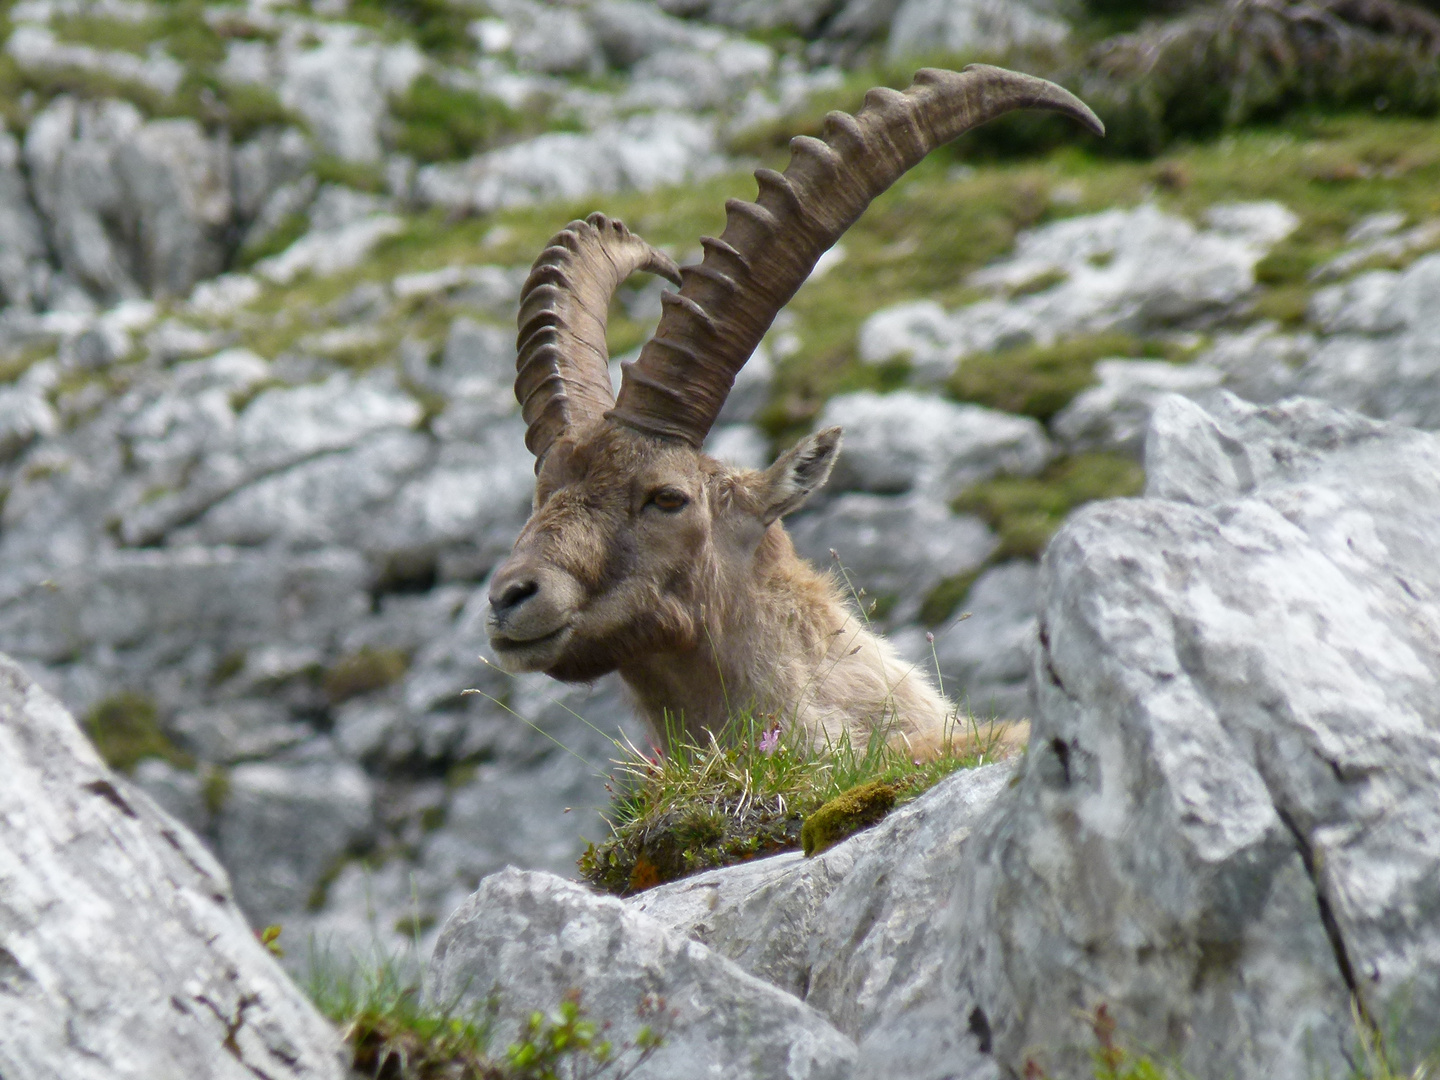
x: 1223, y: 829
x: 1139, y: 270
x: 1223, y: 832
x: 124, y: 953
x: 527, y: 938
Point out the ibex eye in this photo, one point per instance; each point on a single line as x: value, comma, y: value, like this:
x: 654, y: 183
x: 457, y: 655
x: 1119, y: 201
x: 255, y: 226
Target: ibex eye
x: 669, y: 500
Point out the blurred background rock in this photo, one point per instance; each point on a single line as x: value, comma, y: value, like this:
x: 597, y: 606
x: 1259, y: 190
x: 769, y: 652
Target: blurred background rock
x: 258, y: 445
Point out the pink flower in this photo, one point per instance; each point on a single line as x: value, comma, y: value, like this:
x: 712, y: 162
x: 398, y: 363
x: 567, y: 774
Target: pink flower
x: 770, y: 740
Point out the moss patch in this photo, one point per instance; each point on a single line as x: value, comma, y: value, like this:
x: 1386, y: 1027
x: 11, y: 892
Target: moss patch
x: 364, y: 672
x: 1026, y: 511
x: 945, y: 598
x: 438, y: 122
x: 846, y: 814
x: 125, y: 729
x: 1039, y: 381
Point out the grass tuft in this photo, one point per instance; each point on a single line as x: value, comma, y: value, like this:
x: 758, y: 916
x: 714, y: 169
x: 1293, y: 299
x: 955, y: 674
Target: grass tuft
x: 393, y: 1033
x: 747, y: 792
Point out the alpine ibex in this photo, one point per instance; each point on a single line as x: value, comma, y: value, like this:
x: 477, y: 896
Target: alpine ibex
x: 644, y: 556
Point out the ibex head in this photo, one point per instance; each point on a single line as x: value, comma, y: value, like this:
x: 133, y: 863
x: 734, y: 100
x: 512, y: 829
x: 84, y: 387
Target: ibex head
x: 639, y: 545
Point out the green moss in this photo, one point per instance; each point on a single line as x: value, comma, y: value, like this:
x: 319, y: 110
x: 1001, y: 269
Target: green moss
x: 101, y: 32
x: 215, y: 788
x: 1039, y: 381
x: 329, y: 169
x: 1286, y: 304
x: 846, y: 814
x: 227, y: 667
x: 364, y: 672
x: 945, y: 598
x: 440, y: 123
x: 273, y: 242
x: 1026, y: 511
x: 437, y: 26
x: 125, y: 728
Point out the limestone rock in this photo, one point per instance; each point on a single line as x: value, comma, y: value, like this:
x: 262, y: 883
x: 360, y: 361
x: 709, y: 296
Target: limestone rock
x: 533, y: 936
x: 906, y: 441
x: 977, y: 27
x: 22, y: 241
x: 636, y: 154
x: 283, y: 827
x: 985, y: 652
x: 1225, y: 825
x: 1114, y: 415
x: 878, y: 946
x: 125, y: 955
x: 341, y: 84
x: 896, y: 548
x: 1141, y: 270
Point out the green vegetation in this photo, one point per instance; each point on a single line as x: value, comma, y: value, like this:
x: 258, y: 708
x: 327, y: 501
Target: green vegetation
x: 395, y: 1035
x: 848, y: 813
x: 748, y: 791
x: 364, y: 672
x: 1026, y: 511
x: 946, y: 597
x: 1039, y: 381
x: 125, y: 729
x: 439, y: 122
x: 440, y: 28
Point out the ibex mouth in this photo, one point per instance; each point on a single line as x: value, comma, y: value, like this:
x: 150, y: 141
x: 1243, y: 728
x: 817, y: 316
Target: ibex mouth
x: 528, y: 654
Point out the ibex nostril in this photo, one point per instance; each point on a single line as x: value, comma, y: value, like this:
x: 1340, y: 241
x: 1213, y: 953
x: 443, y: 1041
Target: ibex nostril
x: 514, y: 594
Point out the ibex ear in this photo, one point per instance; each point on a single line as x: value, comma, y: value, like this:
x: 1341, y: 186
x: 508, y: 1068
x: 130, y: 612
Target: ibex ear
x: 801, y: 470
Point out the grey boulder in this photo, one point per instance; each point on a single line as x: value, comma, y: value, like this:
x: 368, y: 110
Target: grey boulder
x: 906, y: 441
x: 124, y: 954
x: 1226, y: 825
x: 529, y: 937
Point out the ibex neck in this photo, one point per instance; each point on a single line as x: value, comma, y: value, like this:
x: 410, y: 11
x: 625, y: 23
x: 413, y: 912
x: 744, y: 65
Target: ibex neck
x: 781, y: 645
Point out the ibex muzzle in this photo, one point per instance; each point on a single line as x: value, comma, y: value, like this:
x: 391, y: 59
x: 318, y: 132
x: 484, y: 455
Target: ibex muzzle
x: 645, y: 556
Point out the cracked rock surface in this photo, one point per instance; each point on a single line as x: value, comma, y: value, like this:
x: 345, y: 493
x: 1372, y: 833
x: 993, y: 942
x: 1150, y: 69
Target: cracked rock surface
x: 531, y: 936
x: 1225, y: 827
x: 1226, y: 824
x: 124, y: 954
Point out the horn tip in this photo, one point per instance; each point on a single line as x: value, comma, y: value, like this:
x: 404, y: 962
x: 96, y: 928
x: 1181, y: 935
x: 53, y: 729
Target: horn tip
x: 1049, y: 95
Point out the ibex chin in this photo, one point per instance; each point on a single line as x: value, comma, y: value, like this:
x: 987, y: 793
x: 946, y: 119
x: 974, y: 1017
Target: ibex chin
x: 644, y: 556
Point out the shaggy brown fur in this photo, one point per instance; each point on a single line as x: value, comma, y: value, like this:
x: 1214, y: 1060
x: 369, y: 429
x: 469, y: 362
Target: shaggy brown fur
x: 646, y: 557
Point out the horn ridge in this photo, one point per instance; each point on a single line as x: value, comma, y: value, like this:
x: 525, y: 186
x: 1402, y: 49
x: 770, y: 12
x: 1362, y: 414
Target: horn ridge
x: 769, y: 246
x: 562, y: 374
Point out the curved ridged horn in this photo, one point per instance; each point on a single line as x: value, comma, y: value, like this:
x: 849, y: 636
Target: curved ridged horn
x: 562, y: 373
x: 711, y: 326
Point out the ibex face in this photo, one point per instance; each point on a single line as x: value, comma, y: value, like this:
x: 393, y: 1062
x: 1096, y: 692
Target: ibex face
x: 643, y: 555
x: 631, y: 540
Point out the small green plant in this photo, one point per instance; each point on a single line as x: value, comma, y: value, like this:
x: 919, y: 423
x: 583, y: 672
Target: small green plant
x: 748, y: 791
x: 390, y: 1030
x: 567, y: 1046
x: 1026, y: 511
x: 125, y: 728
x: 394, y: 1034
